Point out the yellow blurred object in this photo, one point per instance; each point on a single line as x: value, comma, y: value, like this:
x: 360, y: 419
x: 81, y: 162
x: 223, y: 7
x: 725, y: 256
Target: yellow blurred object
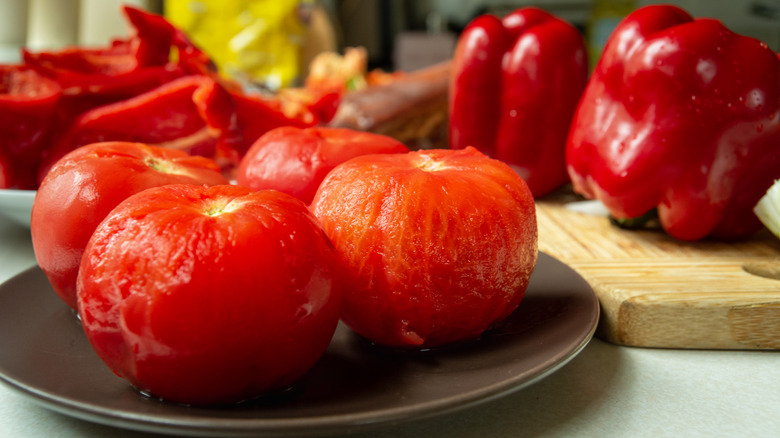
x: 253, y: 41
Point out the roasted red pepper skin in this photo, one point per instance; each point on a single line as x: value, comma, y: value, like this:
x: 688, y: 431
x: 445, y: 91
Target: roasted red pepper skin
x: 154, y: 87
x: 92, y: 77
x: 515, y: 86
x: 6, y: 176
x: 680, y: 114
x: 194, y: 114
x: 27, y: 106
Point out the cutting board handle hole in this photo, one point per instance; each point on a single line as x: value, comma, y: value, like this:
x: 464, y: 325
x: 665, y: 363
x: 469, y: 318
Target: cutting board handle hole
x: 763, y: 268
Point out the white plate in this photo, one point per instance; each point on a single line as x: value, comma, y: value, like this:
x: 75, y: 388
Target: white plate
x: 16, y: 205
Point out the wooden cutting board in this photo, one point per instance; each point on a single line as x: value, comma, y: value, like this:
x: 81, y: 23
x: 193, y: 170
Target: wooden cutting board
x: 656, y: 291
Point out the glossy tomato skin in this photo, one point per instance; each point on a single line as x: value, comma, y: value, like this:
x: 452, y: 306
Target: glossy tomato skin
x: 437, y: 246
x: 210, y: 295
x: 296, y: 160
x: 85, y: 185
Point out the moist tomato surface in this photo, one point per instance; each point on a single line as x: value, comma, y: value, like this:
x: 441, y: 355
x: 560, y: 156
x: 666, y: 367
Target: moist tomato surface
x: 207, y: 295
x: 86, y: 184
x: 295, y: 160
x: 437, y: 246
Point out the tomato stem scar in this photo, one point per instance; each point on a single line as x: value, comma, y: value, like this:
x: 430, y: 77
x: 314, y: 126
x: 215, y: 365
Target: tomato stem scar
x: 430, y: 164
x: 159, y: 165
x: 218, y: 207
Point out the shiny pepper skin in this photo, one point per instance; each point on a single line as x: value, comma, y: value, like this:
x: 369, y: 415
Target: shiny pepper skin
x: 682, y: 115
x: 515, y: 86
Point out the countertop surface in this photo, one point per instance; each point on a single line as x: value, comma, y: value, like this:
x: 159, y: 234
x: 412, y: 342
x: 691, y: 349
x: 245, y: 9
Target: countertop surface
x: 607, y: 390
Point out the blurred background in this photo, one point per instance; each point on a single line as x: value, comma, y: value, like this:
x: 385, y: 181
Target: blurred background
x: 397, y: 34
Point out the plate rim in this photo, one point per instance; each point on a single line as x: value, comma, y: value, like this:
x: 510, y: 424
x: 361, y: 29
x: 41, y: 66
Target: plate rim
x: 19, y: 202
x: 353, y: 422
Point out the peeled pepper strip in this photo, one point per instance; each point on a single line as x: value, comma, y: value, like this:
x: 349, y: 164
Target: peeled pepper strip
x: 92, y: 77
x: 514, y: 89
x: 27, y: 104
x: 6, y: 178
x: 153, y: 87
x: 682, y: 115
x: 193, y: 113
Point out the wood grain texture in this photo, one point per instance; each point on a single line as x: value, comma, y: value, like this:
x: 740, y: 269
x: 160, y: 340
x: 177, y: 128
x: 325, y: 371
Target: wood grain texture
x: 656, y: 291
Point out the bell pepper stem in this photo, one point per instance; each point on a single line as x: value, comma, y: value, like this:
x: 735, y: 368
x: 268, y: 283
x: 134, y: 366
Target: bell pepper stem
x: 647, y: 221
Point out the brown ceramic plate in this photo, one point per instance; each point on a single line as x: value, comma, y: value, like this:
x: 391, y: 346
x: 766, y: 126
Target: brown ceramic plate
x: 355, y: 386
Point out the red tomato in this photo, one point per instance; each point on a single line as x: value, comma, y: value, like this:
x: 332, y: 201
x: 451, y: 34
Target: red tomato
x: 437, y: 245
x: 85, y: 185
x: 209, y: 295
x: 295, y: 161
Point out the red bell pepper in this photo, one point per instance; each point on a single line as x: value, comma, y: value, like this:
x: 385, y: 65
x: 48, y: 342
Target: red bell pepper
x: 154, y: 87
x: 514, y: 88
x: 27, y: 105
x: 681, y: 114
x: 193, y: 113
x: 6, y: 176
x: 92, y: 77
